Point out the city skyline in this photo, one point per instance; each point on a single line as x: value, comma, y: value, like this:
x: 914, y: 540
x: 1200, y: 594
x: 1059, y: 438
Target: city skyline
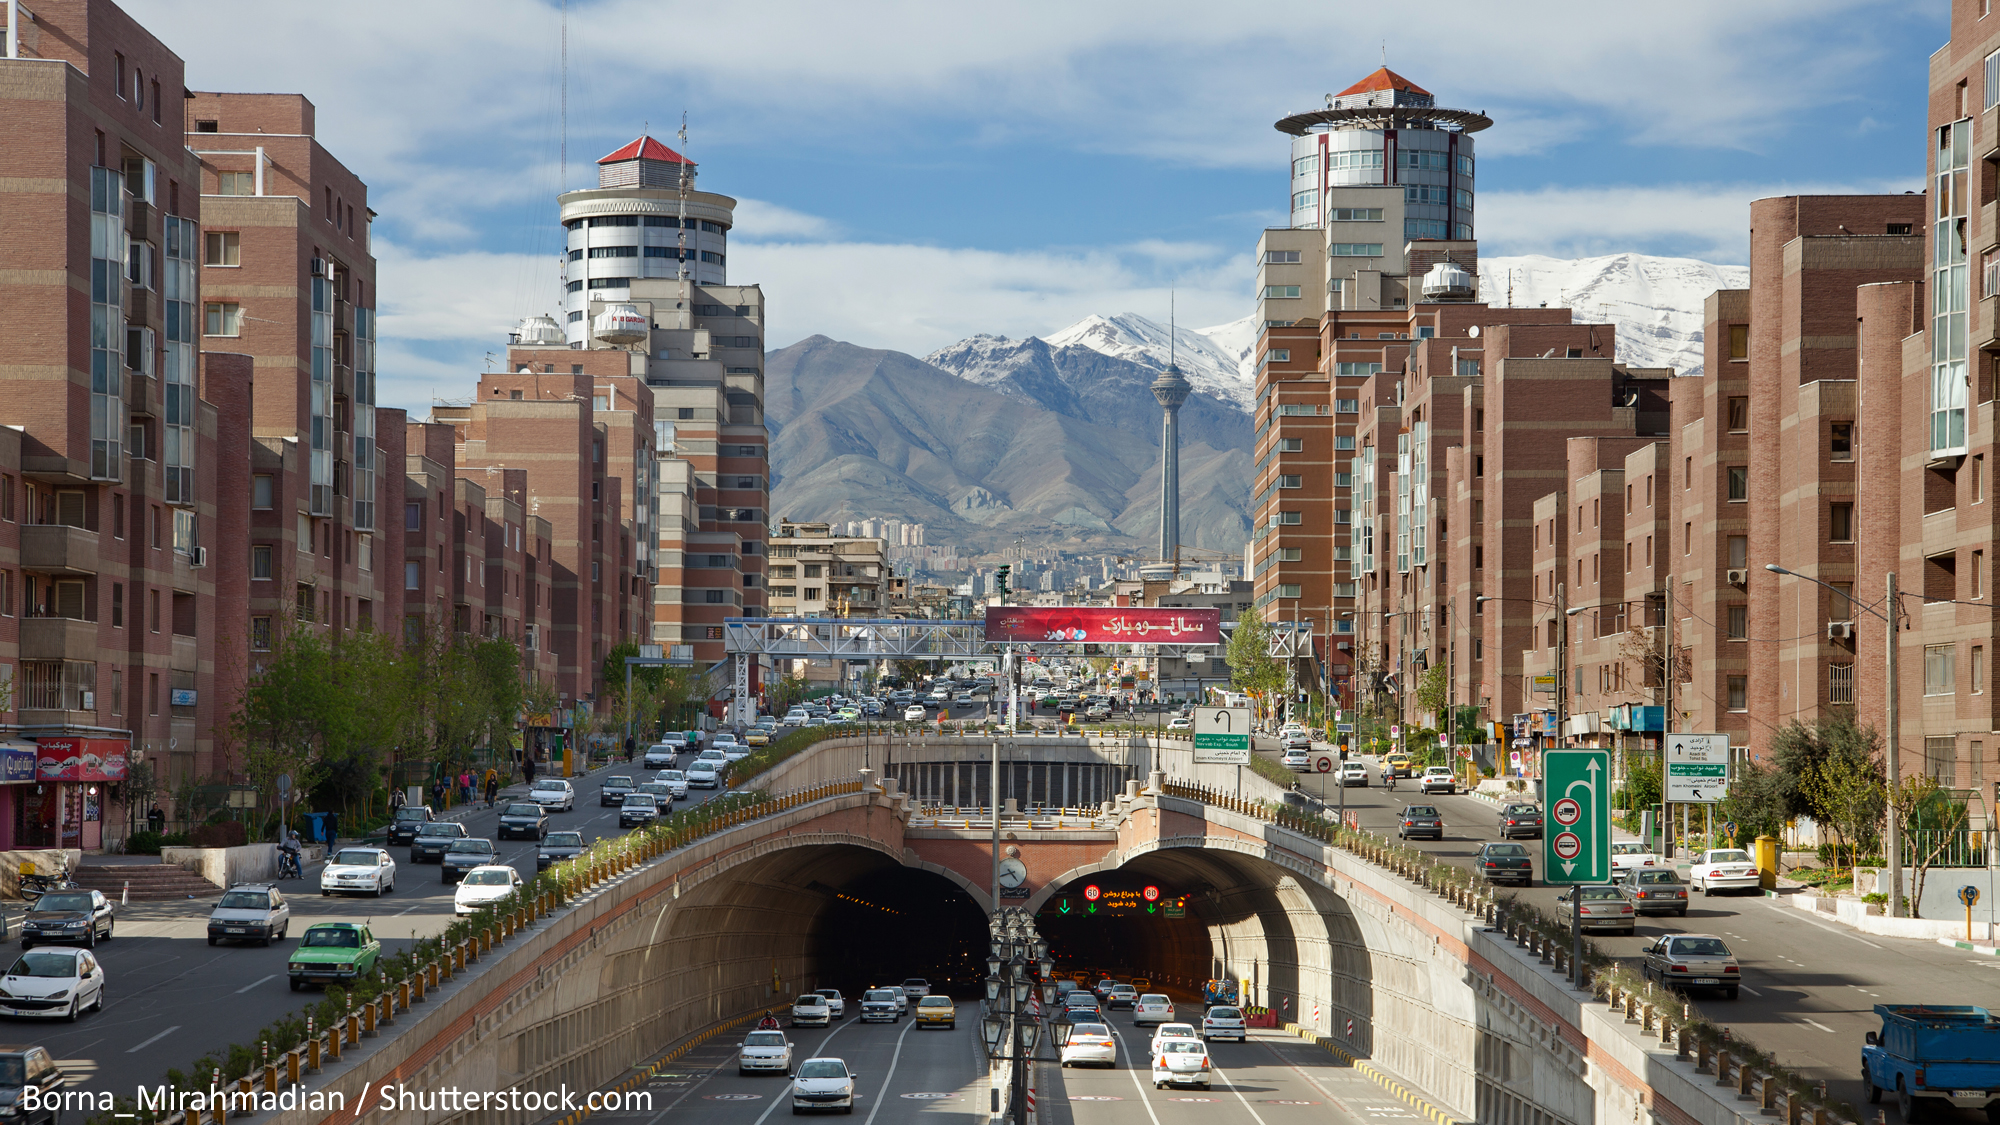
x: 1088, y: 182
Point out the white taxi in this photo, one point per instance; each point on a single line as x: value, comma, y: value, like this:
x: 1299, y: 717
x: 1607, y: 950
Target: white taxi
x: 1223, y: 1023
x: 764, y: 1051
x: 1180, y: 1062
x: 1152, y: 1008
x: 358, y: 870
x: 1725, y: 869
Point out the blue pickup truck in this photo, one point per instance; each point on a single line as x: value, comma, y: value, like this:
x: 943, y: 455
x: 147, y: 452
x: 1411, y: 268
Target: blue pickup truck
x: 1929, y: 1054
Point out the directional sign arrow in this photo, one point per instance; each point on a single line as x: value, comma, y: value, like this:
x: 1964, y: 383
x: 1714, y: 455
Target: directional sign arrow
x: 1063, y: 906
x: 1578, y: 849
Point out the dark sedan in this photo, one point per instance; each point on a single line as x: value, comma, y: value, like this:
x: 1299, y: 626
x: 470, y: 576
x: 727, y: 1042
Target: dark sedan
x: 81, y: 917
x: 525, y: 819
x: 1654, y: 890
x: 409, y: 820
x: 1420, y: 820
x: 615, y: 788
x: 638, y: 809
x: 1505, y: 863
x: 1520, y: 820
x: 464, y: 855
x: 556, y: 847
x: 434, y: 839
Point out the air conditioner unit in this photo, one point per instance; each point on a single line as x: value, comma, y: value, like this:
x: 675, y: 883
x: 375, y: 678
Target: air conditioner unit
x: 1840, y: 630
x: 198, y: 557
x: 1739, y: 577
x: 1344, y: 646
x: 319, y: 267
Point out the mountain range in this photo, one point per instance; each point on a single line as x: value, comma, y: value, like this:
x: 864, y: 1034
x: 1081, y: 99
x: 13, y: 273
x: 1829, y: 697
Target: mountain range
x: 1055, y: 439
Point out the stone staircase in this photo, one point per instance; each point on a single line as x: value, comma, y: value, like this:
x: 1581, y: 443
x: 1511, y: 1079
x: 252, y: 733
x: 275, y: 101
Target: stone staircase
x: 150, y: 882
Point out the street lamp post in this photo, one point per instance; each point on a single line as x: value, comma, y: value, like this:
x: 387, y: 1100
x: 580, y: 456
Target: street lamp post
x: 1892, y: 836
x: 1011, y: 1030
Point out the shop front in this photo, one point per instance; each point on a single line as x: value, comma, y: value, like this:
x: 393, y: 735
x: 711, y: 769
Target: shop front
x: 17, y: 783
x: 72, y: 778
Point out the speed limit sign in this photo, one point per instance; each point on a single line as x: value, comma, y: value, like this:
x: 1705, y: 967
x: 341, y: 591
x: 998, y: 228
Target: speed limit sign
x: 1324, y: 763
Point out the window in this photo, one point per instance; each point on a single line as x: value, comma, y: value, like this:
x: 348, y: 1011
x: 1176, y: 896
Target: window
x: 235, y: 183
x: 1978, y: 684
x: 1281, y: 257
x: 225, y: 318
x: 1840, y: 522
x: 1354, y: 249
x: 1288, y: 590
x: 1343, y: 443
x: 413, y: 575
x: 1940, y: 669
x: 260, y: 491
x: 1840, y: 441
x: 1739, y: 693
x: 1355, y: 215
x: 1739, y: 415
x: 1284, y: 519
x: 1290, y: 480
x: 1840, y: 684
x: 1278, y: 292
x: 1992, y: 90
x: 1278, y: 355
x: 222, y: 248
x: 153, y: 609
x: 1360, y: 158
x: 260, y: 561
x: 1291, y: 445
x: 1978, y: 575
x: 118, y: 605
x: 260, y: 633
x: 1978, y: 480
x: 1304, y: 199
x: 153, y: 693
x: 413, y: 516
x: 1357, y: 369
x: 1739, y: 341
x: 1290, y: 554
x: 1347, y: 406
x: 1739, y: 622
x: 1739, y: 483
x: 1840, y: 601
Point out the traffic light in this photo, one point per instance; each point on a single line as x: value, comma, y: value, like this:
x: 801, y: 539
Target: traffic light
x: 1001, y: 576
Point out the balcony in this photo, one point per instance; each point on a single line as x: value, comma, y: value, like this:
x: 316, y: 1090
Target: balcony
x: 58, y: 638
x: 54, y: 548
x: 142, y: 394
x: 185, y: 656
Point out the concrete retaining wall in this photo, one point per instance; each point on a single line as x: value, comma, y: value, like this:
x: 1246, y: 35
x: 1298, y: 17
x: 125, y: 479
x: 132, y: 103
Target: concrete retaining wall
x: 43, y: 861
x: 226, y: 867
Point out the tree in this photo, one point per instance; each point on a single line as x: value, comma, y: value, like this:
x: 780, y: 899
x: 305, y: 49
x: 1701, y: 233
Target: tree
x: 1757, y: 801
x: 287, y: 711
x: 1933, y: 824
x: 785, y: 692
x: 1252, y: 668
x: 1433, y: 690
x: 1831, y: 772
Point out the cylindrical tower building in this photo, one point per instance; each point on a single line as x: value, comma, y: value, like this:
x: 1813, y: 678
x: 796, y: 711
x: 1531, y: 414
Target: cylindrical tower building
x: 1383, y: 130
x: 1171, y: 389
x: 640, y: 222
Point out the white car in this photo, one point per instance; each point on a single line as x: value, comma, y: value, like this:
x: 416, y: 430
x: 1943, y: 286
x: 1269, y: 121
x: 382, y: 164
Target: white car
x: 1180, y: 722
x: 1725, y: 869
x: 835, y: 1002
x: 1352, y: 774
x: 675, y: 780
x: 714, y: 754
x: 914, y: 713
x: 354, y: 870
x: 53, y: 983
x: 660, y: 755
x: 902, y: 999
x: 1632, y: 853
x: 1152, y: 1007
x: 765, y: 1050
x: 1090, y: 1044
x: 1298, y: 759
x: 1437, y: 779
x: 1223, y: 1023
x: 879, y: 1004
x: 704, y: 775
x: 796, y: 717
x: 1168, y: 1031
x: 823, y: 1084
x: 1180, y: 1062
x: 486, y: 883
x: 811, y: 1010
x: 553, y: 793
x: 916, y: 988
x: 250, y: 912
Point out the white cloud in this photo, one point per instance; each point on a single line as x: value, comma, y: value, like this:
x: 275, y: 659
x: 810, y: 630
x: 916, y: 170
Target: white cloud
x: 1710, y: 221
x: 756, y: 219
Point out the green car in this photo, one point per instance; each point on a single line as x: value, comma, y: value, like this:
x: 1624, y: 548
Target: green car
x: 333, y: 953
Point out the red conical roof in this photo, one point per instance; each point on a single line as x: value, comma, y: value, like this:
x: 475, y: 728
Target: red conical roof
x: 646, y: 148
x: 1383, y: 79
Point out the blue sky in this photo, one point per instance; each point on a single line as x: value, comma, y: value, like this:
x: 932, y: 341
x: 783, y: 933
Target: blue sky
x: 913, y: 173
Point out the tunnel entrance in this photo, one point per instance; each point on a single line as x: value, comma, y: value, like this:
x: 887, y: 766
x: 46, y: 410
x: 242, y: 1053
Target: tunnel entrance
x: 1142, y: 920
x: 886, y: 923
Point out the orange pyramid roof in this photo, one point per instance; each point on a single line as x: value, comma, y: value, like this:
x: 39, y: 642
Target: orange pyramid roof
x: 1383, y: 79
x: 645, y: 148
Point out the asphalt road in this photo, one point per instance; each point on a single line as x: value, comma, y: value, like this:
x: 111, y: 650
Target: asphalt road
x: 1809, y: 985
x: 913, y: 1076
x: 171, y: 997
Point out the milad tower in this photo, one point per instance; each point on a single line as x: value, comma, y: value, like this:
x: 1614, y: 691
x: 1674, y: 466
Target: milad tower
x: 1171, y: 389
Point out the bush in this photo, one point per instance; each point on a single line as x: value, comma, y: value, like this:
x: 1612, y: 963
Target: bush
x: 150, y: 843
x: 228, y: 834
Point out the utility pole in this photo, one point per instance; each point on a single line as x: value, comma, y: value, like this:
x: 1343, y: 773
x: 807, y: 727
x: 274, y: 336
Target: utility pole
x: 1667, y: 713
x: 1562, y: 665
x: 1892, y: 843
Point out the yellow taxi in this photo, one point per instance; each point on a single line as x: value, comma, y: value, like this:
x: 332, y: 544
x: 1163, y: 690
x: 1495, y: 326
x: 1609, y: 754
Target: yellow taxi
x: 934, y: 1011
x: 757, y: 737
x: 1399, y: 764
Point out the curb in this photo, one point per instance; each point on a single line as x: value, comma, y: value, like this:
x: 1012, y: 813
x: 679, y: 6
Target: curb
x: 1381, y: 1079
x: 1988, y: 950
x: 645, y: 1074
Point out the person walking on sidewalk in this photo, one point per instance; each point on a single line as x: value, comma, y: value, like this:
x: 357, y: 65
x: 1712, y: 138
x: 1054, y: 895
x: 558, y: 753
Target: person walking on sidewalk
x: 492, y: 785
x: 437, y: 794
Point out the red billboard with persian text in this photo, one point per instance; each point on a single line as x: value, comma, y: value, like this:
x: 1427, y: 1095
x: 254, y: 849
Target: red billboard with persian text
x: 1099, y: 626
x: 82, y: 759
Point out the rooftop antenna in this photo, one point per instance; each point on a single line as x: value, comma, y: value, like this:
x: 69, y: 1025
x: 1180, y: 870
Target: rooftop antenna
x: 1385, y: 54
x: 1173, y: 325
x: 563, y: 111
x: 686, y: 179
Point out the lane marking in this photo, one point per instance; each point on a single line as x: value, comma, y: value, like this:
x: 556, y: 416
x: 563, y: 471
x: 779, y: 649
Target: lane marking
x: 254, y: 984
x: 882, y: 1097
x: 817, y: 1051
x: 1126, y: 1049
x: 1218, y: 1072
x: 153, y: 1040
x: 1821, y: 1026
x: 1749, y: 990
x: 1822, y: 925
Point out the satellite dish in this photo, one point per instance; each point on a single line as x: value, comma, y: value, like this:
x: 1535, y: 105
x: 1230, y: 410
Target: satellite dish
x: 1473, y: 332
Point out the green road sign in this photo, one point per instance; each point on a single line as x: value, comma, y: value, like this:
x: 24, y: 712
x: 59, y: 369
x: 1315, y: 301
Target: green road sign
x: 1221, y: 736
x: 1576, y: 845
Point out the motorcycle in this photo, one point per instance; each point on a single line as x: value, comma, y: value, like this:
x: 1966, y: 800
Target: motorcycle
x: 288, y: 865
x: 35, y: 884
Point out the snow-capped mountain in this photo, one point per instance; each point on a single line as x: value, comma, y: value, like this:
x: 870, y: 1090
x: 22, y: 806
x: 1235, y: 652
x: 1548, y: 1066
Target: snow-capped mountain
x: 1655, y: 302
x: 1216, y: 360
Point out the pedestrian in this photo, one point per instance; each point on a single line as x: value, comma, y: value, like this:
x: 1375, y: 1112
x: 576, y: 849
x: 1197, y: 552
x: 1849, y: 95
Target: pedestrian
x: 465, y: 786
x: 492, y: 785
x: 528, y: 770
x: 395, y: 801
x: 437, y: 794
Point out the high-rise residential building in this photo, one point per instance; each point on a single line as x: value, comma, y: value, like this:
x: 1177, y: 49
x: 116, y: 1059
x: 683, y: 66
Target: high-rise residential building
x: 815, y: 572
x: 288, y: 279
x: 114, y: 441
x: 648, y: 281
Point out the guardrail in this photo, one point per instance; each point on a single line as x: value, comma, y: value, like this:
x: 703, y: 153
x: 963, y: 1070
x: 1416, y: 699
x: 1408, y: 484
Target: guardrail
x: 1039, y: 818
